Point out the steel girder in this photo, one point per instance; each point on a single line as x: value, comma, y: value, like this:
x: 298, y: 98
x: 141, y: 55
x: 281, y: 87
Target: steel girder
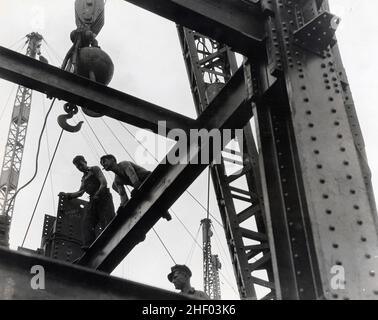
x: 240, y: 24
x: 63, y: 85
x: 321, y: 218
x: 66, y: 281
x: 167, y: 182
x: 321, y: 214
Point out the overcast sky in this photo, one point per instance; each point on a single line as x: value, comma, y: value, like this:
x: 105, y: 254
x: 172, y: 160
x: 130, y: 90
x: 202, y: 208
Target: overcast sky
x: 148, y: 64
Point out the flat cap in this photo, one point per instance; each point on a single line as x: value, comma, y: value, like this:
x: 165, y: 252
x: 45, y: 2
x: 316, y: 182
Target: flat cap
x: 179, y: 267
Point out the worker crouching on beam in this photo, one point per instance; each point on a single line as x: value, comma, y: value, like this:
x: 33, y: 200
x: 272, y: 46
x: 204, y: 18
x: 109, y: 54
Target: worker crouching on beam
x: 126, y: 173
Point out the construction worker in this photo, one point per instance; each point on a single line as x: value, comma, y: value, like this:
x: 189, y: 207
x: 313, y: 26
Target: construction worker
x: 180, y: 277
x: 126, y: 174
x: 100, y: 210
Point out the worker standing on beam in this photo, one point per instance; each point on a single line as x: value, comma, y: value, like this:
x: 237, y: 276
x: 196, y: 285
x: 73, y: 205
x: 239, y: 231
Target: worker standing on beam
x: 100, y: 210
x: 126, y: 173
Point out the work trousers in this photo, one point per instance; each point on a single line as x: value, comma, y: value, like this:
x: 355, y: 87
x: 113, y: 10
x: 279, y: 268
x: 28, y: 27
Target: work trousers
x: 99, y: 213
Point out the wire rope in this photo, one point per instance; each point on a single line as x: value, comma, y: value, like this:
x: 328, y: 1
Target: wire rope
x: 43, y: 185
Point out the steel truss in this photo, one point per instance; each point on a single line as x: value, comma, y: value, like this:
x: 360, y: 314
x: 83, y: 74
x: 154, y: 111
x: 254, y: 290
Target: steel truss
x: 211, y: 263
x: 210, y: 65
x: 319, y: 208
x: 14, y: 148
x: 215, y: 267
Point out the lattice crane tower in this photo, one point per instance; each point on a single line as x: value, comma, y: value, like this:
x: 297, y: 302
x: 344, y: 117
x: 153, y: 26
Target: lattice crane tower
x: 14, y: 148
x: 211, y: 263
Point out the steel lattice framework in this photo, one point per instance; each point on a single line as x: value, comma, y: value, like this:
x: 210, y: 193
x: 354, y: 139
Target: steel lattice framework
x: 316, y: 216
x: 216, y: 266
x: 236, y: 180
x: 14, y: 148
x: 206, y: 252
x: 211, y: 263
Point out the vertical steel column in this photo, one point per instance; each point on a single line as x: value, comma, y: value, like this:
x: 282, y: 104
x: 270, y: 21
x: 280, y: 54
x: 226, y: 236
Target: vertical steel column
x: 320, y: 211
x: 209, y: 65
x: 15, y: 147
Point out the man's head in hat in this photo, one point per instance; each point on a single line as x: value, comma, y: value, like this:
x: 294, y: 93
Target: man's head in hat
x: 180, y: 276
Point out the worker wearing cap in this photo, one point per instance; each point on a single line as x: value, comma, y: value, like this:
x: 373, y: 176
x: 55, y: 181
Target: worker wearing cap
x: 180, y: 277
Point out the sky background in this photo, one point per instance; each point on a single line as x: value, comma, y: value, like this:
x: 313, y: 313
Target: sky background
x: 148, y: 64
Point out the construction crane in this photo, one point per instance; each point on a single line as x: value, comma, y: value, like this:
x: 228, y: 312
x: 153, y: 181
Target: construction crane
x: 211, y: 263
x: 14, y: 148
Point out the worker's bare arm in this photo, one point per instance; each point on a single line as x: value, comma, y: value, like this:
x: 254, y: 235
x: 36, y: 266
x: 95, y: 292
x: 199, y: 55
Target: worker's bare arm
x: 120, y: 189
x: 73, y: 195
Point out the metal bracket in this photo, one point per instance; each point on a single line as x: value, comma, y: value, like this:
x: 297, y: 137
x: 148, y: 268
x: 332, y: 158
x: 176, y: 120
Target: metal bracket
x: 318, y: 34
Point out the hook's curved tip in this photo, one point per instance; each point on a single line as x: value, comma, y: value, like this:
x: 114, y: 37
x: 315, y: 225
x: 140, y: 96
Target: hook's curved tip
x: 62, y: 121
x: 79, y: 125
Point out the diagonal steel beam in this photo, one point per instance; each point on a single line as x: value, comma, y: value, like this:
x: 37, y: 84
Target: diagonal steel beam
x: 239, y: 24
x: 63, y: 85
x: 166, y: 183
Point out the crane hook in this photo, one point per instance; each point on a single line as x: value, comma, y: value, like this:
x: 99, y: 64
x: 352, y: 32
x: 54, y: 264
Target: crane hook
x: 71, y: 110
